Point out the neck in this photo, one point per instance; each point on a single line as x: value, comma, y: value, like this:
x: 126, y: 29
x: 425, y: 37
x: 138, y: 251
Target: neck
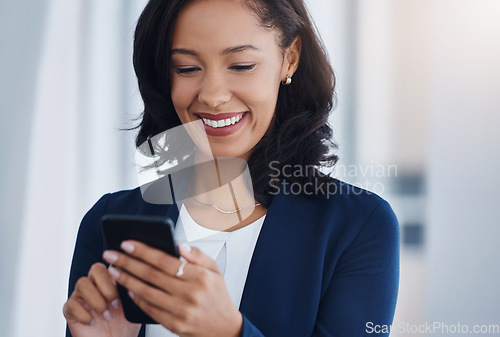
x: 222, y: 181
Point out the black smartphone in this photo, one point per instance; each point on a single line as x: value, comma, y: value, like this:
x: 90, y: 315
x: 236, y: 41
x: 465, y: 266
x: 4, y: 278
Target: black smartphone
x: 156, y: 232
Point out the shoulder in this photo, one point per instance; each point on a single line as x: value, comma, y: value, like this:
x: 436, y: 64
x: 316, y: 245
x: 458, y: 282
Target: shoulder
x: 351, y: 196
x: 123, y: 202
x: 366, y: 205
x: 368, y: 225
x: 334, y: 197
x: 118, y: 202
x: 364, y: 208
x: 360, y: 203
x: 124, y: 197
x: 341, y: 214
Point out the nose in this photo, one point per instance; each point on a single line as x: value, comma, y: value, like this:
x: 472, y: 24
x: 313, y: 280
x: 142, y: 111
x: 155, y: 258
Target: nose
x: 214, y: 91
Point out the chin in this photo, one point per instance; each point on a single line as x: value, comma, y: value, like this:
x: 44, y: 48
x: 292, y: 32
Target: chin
x: 229, y: 154
x: 223, y: 150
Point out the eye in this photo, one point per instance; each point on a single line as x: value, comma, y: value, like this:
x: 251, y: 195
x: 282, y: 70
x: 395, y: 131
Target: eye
x: 186, y: 70
x: 242, y: 67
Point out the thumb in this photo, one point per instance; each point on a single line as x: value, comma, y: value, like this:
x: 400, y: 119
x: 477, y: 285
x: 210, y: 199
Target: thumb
x: 196, y: 256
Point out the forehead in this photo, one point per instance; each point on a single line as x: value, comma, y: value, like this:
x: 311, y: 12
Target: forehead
x: 218, y: 24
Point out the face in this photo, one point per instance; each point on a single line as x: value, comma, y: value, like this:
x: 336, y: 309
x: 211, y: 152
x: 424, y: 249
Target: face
x: 226, y: 71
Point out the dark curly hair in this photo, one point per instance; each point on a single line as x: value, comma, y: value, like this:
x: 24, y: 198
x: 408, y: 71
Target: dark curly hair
x: 299, y: 134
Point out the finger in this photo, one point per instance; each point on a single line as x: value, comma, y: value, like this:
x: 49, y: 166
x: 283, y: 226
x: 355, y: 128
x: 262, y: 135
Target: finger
x: 158, y: 259
x: 151, y: 294
x: 104, y: 282
x: 144, y: 271
x: 74, y: 311
x: 172, y: 321
x: 88, y: 292
x: 196, y: 256
x: 84, y: 304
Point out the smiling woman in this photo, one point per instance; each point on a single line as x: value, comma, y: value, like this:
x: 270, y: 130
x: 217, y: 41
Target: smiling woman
x: 254, y: 76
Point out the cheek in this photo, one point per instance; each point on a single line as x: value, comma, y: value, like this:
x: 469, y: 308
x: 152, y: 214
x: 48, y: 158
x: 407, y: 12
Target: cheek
x: 260, y: 95
x: 182, y: 96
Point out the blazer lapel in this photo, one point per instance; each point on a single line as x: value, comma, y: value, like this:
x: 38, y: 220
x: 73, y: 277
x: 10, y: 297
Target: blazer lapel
x: 268, y: 299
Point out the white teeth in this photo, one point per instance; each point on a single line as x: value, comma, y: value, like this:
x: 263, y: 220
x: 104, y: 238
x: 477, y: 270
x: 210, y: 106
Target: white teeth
x: 222, y: 122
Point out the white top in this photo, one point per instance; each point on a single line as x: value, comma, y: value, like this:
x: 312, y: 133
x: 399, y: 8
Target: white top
x: 232, y: 250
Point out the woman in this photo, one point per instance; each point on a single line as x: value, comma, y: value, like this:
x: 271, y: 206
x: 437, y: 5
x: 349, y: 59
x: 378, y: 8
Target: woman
x: 314, y: 256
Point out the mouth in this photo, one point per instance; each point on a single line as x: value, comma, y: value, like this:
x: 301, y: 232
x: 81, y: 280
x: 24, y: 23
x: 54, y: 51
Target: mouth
x: 223, y: 124
x: 221, y: 120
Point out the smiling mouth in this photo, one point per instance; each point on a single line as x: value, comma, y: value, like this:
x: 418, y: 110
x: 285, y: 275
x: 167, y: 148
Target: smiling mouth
x: 223, y: 122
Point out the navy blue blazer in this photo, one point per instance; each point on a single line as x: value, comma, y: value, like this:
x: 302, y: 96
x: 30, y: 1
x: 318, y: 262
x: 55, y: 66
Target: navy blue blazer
x: 321, y: 267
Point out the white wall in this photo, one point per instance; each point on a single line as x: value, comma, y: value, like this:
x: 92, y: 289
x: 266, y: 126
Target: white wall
x: 21, y: 23
x: 464, y: 166
x: 67, y: 88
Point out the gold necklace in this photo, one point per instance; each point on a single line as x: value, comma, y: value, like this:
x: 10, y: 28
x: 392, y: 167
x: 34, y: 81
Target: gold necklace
x: 223, y: 211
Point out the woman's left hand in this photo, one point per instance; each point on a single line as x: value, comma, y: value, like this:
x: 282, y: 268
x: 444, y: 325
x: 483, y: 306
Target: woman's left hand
x: 194, y: 304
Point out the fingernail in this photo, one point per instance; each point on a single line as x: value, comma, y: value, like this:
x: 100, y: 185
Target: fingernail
x: 127, y: 246
x: 131, y: 294
x: 92, y: 322
x: 107, y: 316
x: 115, y: 273
x: 110, y: 256
x: 185, y: 248
x: 115, y: 303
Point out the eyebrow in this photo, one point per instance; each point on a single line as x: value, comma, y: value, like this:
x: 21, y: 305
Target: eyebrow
x: 226, y: 51
x: 184, y: 51
x: 237, y: 49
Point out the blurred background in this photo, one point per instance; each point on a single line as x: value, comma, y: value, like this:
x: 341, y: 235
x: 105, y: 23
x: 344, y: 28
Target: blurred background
x: 417, y: 122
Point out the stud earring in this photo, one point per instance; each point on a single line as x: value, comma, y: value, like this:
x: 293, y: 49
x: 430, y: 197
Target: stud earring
x: 287, y: 81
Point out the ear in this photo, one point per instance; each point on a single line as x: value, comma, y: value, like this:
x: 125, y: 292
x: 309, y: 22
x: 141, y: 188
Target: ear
x: 291, y: 58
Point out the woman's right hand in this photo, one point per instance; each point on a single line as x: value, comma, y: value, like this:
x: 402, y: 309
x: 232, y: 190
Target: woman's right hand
x: 94, y: 308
